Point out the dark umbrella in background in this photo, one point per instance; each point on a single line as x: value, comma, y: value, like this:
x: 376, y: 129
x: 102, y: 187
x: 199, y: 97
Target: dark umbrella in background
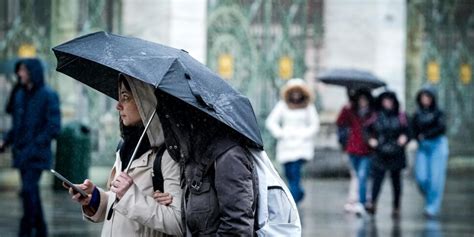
x: 351, y: 78
x: 97, y: 59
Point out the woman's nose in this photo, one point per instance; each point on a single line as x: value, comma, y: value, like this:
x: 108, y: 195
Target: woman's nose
x: 119, y: 106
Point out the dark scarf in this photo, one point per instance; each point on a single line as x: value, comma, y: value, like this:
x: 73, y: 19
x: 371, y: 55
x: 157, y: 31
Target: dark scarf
x: 131, y: 135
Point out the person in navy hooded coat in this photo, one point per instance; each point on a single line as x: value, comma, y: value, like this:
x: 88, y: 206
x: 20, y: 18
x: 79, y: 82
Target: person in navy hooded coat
x: 36, y: 120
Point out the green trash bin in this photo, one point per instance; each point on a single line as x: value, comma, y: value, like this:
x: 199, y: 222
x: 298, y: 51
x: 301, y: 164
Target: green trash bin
x: 73, y: 153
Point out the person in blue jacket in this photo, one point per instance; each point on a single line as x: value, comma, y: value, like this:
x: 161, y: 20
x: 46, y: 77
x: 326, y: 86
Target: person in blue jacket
x: 36, y: 120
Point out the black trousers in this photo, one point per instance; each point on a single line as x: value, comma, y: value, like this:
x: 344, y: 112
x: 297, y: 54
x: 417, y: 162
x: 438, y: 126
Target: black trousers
x: 378, y: 176
x: 32, y: 223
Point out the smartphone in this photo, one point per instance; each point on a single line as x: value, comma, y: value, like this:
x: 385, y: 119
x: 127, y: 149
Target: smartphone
x: 69, y: 183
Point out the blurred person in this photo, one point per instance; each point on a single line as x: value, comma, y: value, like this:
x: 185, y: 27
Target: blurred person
x: 429, y: 129
x: 129, y: 206
x: 294, y: 122
x: 356, y: 118
x: 343, y: 135
x: 36, y: 120
x: 388, y: 136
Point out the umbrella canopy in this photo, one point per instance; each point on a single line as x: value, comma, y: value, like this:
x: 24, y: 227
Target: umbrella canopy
x: 96, y: 60
x: 351, y: 78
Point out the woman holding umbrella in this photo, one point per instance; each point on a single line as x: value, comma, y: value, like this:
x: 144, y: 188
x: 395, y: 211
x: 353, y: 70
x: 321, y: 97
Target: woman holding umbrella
x: 208, y: 126
x: 127, y: 206
x: 356, y: 118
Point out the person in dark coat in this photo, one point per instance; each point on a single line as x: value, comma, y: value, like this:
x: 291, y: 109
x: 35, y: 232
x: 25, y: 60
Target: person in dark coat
x: 36, y: 121
x: 355, y: 117
x: 218, y: 176
x: 429, y: 128
x: 388, y: 135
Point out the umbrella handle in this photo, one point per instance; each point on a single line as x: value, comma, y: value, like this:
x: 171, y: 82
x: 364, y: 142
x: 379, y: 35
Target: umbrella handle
x: 140, y: 140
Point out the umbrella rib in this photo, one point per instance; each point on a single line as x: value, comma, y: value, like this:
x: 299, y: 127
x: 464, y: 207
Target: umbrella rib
x: 140, y: 141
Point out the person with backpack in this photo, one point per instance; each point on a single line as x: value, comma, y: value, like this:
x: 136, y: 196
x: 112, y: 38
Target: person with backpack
x: 218, y: 176
x: 429, y: 129
x: 230, y: 186
x: 360, y: 154
x: 294, y: 122
x: 388, y: 136
x: 127, y: 205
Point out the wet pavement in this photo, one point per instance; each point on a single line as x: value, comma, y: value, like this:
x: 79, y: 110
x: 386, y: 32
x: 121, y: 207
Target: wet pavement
x: 322, y: 212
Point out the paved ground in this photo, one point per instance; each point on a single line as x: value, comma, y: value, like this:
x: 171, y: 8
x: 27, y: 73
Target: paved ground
x: 323, y: 215
x: 321, y: 212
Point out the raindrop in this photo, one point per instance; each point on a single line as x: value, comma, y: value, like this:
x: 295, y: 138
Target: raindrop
x: 175, y: 147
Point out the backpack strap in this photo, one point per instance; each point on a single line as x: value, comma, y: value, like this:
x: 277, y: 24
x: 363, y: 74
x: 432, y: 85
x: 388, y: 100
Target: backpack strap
x: 157, y: 174
x: 255, y: 189
x: 208, y: 159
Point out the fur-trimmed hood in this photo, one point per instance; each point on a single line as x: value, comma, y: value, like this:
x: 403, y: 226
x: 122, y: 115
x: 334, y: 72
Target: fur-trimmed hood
x: 300, y: 85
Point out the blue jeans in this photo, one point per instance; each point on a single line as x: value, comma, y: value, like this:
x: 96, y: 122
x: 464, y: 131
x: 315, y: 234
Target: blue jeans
x: 430, y: 171
x: 361, y: 166
x: 293, y: 175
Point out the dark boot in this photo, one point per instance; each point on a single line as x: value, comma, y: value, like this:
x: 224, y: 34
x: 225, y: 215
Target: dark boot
x: 370, y: 208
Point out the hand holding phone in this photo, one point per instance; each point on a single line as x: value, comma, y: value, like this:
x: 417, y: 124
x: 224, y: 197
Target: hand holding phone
x: 69, y: 184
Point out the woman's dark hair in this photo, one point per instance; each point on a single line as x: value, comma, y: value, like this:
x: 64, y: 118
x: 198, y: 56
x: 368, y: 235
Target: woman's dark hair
x: 123, y: 80
x: 363, y: 93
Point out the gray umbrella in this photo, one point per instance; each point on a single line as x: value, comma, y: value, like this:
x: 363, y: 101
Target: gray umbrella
x: 351, y: 78
x: 97, y: 59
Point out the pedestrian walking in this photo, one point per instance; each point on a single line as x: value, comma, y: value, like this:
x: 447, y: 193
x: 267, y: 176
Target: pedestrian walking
x: 294, y: 122
x: 343, y: 137
x: 127, y: 205
x: 388, y: 136
x: 36, y: 121
x: 356, y: 118
x: 429, y: 128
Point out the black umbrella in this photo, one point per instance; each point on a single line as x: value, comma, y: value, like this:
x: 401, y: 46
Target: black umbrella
x: 351, y: 78
x: 97, y: 59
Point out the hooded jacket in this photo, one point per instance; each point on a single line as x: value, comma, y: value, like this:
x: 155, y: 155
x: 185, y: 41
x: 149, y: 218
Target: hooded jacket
x: 428, y: 123
x: 294, y: 125
x: 36, y: 120
x: 137, y: 213
x: 218, y: 175
x: 386, y: 127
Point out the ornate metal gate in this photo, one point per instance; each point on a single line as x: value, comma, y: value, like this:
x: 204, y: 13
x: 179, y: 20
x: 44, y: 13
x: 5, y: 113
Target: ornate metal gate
x: 31, y: 28
x: 446, y: 63
x: 256, y: 45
